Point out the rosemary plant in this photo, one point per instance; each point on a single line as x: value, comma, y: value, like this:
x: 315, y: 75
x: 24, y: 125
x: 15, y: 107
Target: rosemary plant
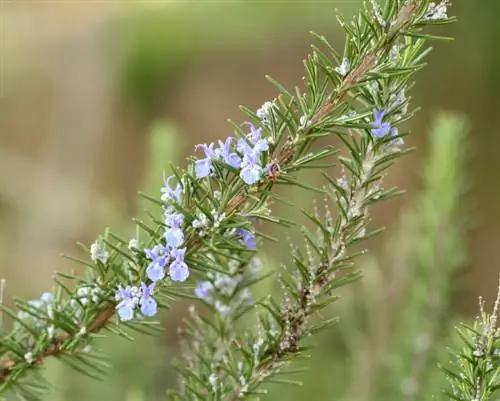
x: 475, y: 372
x: 396, y: 319
x: 208, y: 227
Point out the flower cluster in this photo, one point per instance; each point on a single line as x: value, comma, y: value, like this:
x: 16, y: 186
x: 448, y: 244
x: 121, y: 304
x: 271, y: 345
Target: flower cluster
x: 381, y: 128
x: 131, y: 296
x: 168, y: 254
x: 160, y: 257
x: 245, y: 155
x: 248, y: 238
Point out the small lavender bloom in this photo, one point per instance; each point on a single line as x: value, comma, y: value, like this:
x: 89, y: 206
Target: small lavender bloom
x: 248, y: 238
x: 380, y: 129
x: 259, y: 145
x: 242, y: 146
x: 147, y: 302
x: 127, y: 303
x: 155, y: 272
x: 174, y: 236
x: 171, y: 194
x: 255, y: 133
x: 98, y: 253
x: 251, y: 170
x: 203, y: 290
x: 203, y: 167
x: 229, y: 157
x: 159, y: 257
x: 179, y: 270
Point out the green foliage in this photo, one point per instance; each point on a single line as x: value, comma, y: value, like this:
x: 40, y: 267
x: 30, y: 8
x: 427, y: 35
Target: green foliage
x: 397, y: 318
x: 133, y: 368
x: 358, y: 97
x: 475, y: 370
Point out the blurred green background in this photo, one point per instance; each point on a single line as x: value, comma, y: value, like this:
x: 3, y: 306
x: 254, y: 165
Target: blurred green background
x: 97, y: 98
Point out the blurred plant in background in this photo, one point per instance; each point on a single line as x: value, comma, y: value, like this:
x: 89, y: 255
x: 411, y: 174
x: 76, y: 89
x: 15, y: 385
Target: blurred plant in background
x: 402, y: 305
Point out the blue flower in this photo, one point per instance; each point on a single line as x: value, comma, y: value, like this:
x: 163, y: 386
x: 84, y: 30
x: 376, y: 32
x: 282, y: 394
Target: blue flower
x: 380, y: 129
x: 127, y: 301
x: 159, y: 257
x: 203, y: 167
x: 179, y: 270
x: 248, y: 238
x: 253, y: 137
x: 147, y: 302
x: 230, y: 158
x: 251, y: 170
x: 174, y: 236
x: 171, y: 194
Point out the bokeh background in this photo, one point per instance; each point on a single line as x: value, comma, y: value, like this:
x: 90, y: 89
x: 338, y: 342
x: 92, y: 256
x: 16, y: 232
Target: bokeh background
x: 98, y: 97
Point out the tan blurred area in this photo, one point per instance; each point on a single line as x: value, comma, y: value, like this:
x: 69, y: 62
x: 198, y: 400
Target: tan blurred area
x: 57, y: 100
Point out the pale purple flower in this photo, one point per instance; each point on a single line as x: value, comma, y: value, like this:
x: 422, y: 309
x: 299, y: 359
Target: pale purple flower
x: 380, y: 129
x: 171, y: 194
x: 248, y: 238
x: 251, y: 170
x: 159, y: 257
x: 174, y: 236
x: 179, y: 270
x: 147, y: 302
x: 230, y: 158
x: 203, y: 167
x: 259, y: 145
x: 127, y: 302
